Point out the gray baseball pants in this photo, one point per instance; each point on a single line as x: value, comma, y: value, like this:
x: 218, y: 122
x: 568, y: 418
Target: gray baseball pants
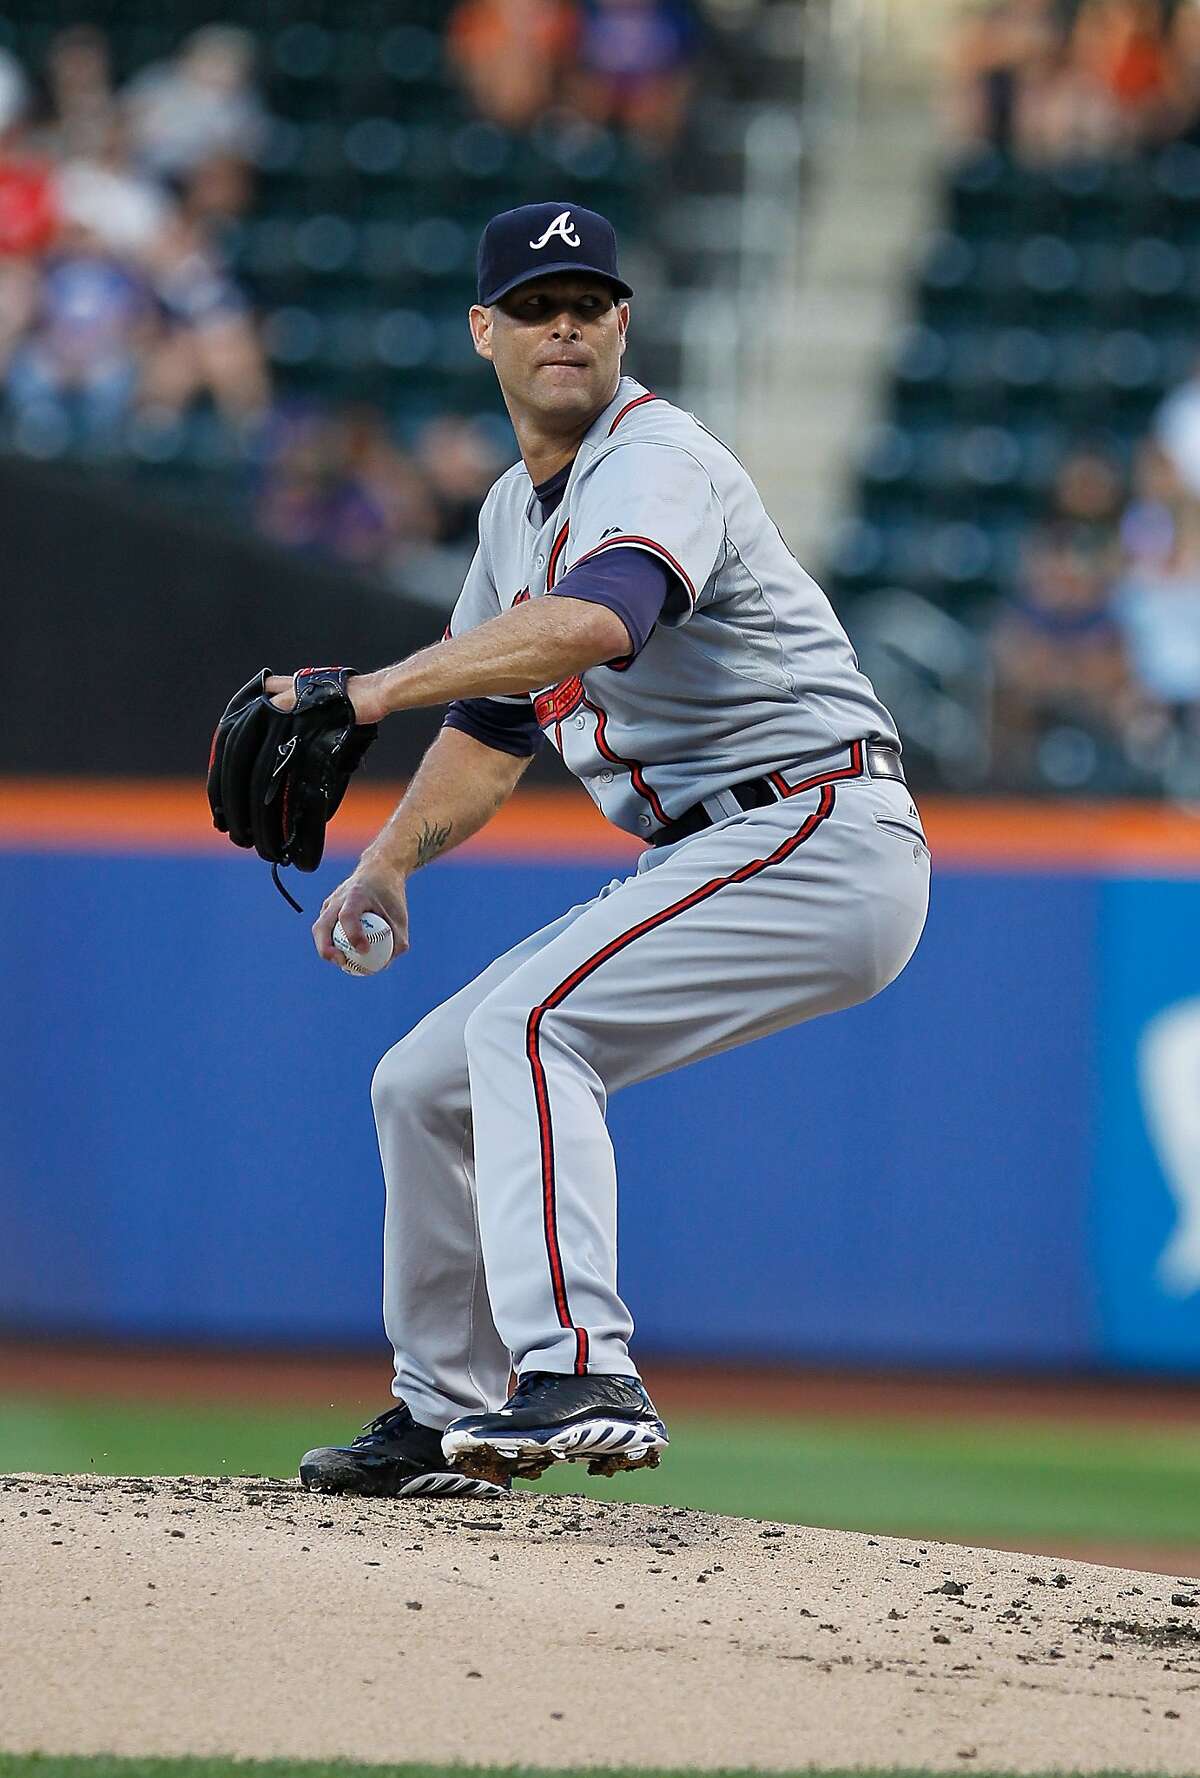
x: 501, y: 1222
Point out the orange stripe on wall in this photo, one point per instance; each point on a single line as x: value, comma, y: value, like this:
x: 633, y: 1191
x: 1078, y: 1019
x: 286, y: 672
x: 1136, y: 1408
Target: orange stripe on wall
x: 1097, y: 838
x: 127, y: 815
x: 132, y: 815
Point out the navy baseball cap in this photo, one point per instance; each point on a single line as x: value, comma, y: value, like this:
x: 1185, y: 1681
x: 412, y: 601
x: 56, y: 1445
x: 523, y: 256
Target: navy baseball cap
x: 538, y: 239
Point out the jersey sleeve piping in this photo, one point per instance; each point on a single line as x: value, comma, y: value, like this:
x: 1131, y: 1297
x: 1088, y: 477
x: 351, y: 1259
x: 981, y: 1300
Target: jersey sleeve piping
x: 653, y: 548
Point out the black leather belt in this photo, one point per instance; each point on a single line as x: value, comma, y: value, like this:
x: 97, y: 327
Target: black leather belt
x: 867, y: 759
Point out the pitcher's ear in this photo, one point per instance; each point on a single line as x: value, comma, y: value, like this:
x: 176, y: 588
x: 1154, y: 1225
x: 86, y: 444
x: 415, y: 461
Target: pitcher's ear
x: 480, y: 321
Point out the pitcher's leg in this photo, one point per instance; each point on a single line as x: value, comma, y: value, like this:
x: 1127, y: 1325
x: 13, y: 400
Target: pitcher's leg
x: 757, y: 925
x: 435, y: 1307
x: 449, y: 1357
x: 527, y: 1141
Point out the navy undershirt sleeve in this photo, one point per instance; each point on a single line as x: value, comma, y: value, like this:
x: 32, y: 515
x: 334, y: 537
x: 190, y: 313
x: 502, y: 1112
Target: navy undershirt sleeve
x: 509, y: 728
x: 630, y: 581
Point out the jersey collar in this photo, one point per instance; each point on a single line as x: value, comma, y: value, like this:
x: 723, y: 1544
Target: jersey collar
x: 628, y: 390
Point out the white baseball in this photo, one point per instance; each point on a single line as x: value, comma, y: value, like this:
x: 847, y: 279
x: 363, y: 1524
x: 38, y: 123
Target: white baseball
x: 370, y: 962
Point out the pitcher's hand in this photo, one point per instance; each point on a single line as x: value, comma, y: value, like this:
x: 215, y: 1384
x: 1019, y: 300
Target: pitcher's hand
x: 359, y: 895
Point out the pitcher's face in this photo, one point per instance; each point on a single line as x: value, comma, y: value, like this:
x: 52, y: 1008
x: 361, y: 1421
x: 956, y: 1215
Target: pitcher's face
x: 556, y: 343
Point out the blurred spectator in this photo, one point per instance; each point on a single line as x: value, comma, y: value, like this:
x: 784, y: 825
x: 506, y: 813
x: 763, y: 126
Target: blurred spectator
x: 1103, y: 643
x: 1057, y: 657
x: 309, y: 498
x: 1177, y: 428
x: 72, y: 379
x: 218, y: 192
x: 132, y: 305
x: 109, y: 197
x: 1122, y: 45
x: 81, y: 108
x: 1158, y: 515
x: 1086, y: 500
x: 1070, y: 110
x: 1159, y: 614
x: 28, y: 210
x: 1061, y: 82
x: 512, y: 55
x: 394, y: 482
x: 200, y: 107
x: 997, y: 51
x: 117, y: 305
x: 635, y: 66
x: 336, y: 484
x: 460, y: 463
x: 57, y: 314
x: 207, y: 344
x: 1183, y: 36
x: 1157, y: 605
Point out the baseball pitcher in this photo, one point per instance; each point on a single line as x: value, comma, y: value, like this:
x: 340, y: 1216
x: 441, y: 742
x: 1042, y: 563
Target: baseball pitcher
x: 632, y: 604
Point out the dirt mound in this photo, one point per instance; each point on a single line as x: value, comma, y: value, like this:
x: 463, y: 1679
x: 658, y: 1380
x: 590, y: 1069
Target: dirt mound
x: 230, y: 1616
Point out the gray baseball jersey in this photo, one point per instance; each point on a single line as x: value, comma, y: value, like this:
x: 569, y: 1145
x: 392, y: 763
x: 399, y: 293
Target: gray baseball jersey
x: 746, y: 671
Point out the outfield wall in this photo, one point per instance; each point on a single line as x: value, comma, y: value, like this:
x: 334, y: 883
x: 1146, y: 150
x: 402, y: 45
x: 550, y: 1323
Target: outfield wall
x: 991, y: 1164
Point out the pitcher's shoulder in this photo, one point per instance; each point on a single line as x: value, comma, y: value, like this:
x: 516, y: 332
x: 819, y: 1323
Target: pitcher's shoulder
x: 652, y: 420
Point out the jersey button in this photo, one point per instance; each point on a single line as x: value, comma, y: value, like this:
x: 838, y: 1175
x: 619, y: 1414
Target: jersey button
x: 606, y: 777
x: 581, y: 722
x: 541, y: 561
x: 643, y: 820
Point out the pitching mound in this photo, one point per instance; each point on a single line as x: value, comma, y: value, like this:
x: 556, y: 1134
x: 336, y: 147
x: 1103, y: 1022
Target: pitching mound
x: 226, y: 1616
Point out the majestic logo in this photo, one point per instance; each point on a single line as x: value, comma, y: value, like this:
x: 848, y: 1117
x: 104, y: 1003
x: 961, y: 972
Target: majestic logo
x: 561, y: 226
x: 285, y: 753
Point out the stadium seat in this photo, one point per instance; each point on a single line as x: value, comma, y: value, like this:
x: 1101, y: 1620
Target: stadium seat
x: 1053, y: 305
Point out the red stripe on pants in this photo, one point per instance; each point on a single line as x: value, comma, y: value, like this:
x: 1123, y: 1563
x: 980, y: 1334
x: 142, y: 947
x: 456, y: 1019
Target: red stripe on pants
x: 555, y: 999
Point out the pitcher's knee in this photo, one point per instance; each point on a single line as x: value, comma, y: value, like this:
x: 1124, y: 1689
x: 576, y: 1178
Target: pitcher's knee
x: 426, y: 1069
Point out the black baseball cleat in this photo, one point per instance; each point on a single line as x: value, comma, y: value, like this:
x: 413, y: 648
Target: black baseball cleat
x: 608, y: 1422
x: 392, y: 1456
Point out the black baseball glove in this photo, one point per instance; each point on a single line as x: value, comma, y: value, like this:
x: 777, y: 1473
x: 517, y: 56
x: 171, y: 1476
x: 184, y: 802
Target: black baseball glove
x: 276, y: 777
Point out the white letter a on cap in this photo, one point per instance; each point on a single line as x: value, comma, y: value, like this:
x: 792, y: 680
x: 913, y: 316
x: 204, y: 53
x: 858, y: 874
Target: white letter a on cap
x: 561, y: 226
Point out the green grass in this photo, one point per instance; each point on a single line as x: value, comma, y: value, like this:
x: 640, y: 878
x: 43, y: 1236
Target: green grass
x: 39, y: 1765
x: 968, y: 1480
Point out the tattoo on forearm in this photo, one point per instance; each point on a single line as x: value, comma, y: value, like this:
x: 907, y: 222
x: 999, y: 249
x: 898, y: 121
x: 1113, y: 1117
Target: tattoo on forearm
x: 431, y: 841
